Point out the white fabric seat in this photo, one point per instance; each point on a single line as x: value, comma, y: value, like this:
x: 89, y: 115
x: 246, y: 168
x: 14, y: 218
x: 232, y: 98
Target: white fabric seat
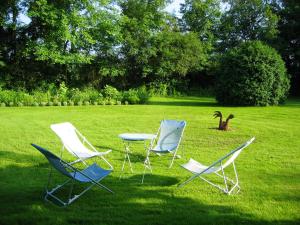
x: 76, y: 143
x: 198, y: 169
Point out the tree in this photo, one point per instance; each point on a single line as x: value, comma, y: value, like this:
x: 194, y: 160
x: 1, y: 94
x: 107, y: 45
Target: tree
x: 203, y: 18
x: 62, y: 37
x: 177, y: 55
x: 71, y: 34
x: 12, y: 42
x: 288, y: 42
x: 247, y: 20
x: 153, y: 48
x: 142, y: 20
x: 63, y: 31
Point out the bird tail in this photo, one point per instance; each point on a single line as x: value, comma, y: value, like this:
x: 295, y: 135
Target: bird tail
x: 217, y: 114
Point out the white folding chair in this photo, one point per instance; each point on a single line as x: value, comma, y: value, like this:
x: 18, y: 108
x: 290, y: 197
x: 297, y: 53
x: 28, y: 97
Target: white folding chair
x: 169, y: 137
x: 199, y: 170
x: 76, y: 143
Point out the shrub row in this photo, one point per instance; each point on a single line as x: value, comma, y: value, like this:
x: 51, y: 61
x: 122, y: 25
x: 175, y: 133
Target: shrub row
x: 63, y: 96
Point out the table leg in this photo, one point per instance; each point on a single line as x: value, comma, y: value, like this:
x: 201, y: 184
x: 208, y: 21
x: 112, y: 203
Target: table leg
x: 147, y: 160
x: 147, y: 165
x: 129, y: 161
x: 127, y: 157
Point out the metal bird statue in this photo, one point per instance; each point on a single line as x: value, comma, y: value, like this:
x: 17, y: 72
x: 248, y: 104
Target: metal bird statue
x: 223, y: 125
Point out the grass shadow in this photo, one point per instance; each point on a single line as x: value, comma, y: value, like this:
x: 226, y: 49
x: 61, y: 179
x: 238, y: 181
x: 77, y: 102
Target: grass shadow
x: 157, y: 201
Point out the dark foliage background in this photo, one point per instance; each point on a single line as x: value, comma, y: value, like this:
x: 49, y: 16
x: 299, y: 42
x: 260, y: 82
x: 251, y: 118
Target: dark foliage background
x: 131, y: 43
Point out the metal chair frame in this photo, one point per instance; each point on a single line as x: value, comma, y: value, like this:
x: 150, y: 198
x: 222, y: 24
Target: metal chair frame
x: 68, y: 166
x: 76, y: 196
x: 221, y: 168
x: 147, y: 164
x: 84, y: 141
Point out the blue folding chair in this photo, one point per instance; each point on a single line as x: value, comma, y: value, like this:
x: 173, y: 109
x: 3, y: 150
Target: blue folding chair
x: 93, y: 174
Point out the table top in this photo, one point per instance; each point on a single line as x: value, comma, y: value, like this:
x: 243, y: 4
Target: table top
x: 136, y: 136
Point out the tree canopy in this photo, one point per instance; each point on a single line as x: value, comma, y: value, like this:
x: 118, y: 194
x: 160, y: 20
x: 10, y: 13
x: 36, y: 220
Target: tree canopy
x: 129, y: 43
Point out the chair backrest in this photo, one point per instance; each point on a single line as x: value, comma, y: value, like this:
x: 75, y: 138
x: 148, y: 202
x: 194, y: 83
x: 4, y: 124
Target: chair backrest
x: 170, y: 134
x: 235, y: 153
x: 67, y: 133
x: 56, y: 162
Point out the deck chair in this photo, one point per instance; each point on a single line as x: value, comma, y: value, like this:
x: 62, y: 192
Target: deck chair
x: 92, y: 175
x: 200, y: 170
x: 76, y: 143
x: 169, y: 137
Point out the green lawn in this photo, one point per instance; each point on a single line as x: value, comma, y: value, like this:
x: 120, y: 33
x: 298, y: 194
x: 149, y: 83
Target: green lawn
x: 268, y: 169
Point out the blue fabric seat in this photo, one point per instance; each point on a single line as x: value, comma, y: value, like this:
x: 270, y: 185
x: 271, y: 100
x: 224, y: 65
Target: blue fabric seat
x: 170, y: 133
x: 92, y: 174
x: 169, y: 136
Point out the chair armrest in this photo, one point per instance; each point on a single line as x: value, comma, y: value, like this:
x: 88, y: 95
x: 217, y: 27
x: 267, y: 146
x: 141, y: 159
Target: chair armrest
x: 107, y: 152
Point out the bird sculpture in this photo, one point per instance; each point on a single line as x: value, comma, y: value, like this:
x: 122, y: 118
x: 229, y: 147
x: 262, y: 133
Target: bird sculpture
x: 223, y: 125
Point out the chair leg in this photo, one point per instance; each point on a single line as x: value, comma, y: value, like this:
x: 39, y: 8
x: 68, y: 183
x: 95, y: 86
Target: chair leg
x: 144, y: 174
x: 111, y: 166
x: 187, y: 181
x: 225, y: 189
x: 71, y: 190
x: 236, y: 185
x: 174, y: 155
x: 225, y: 180
x: 53, y: 190
x: 235, y: 182
x: 102, y: 186
x: 49, y: 178
x: 76, y: 196
x: 88, y: 188
x: 213, y: 184
x: 70, y: 199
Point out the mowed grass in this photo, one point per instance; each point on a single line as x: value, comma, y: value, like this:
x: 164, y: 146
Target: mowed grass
x: 268, y: 169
